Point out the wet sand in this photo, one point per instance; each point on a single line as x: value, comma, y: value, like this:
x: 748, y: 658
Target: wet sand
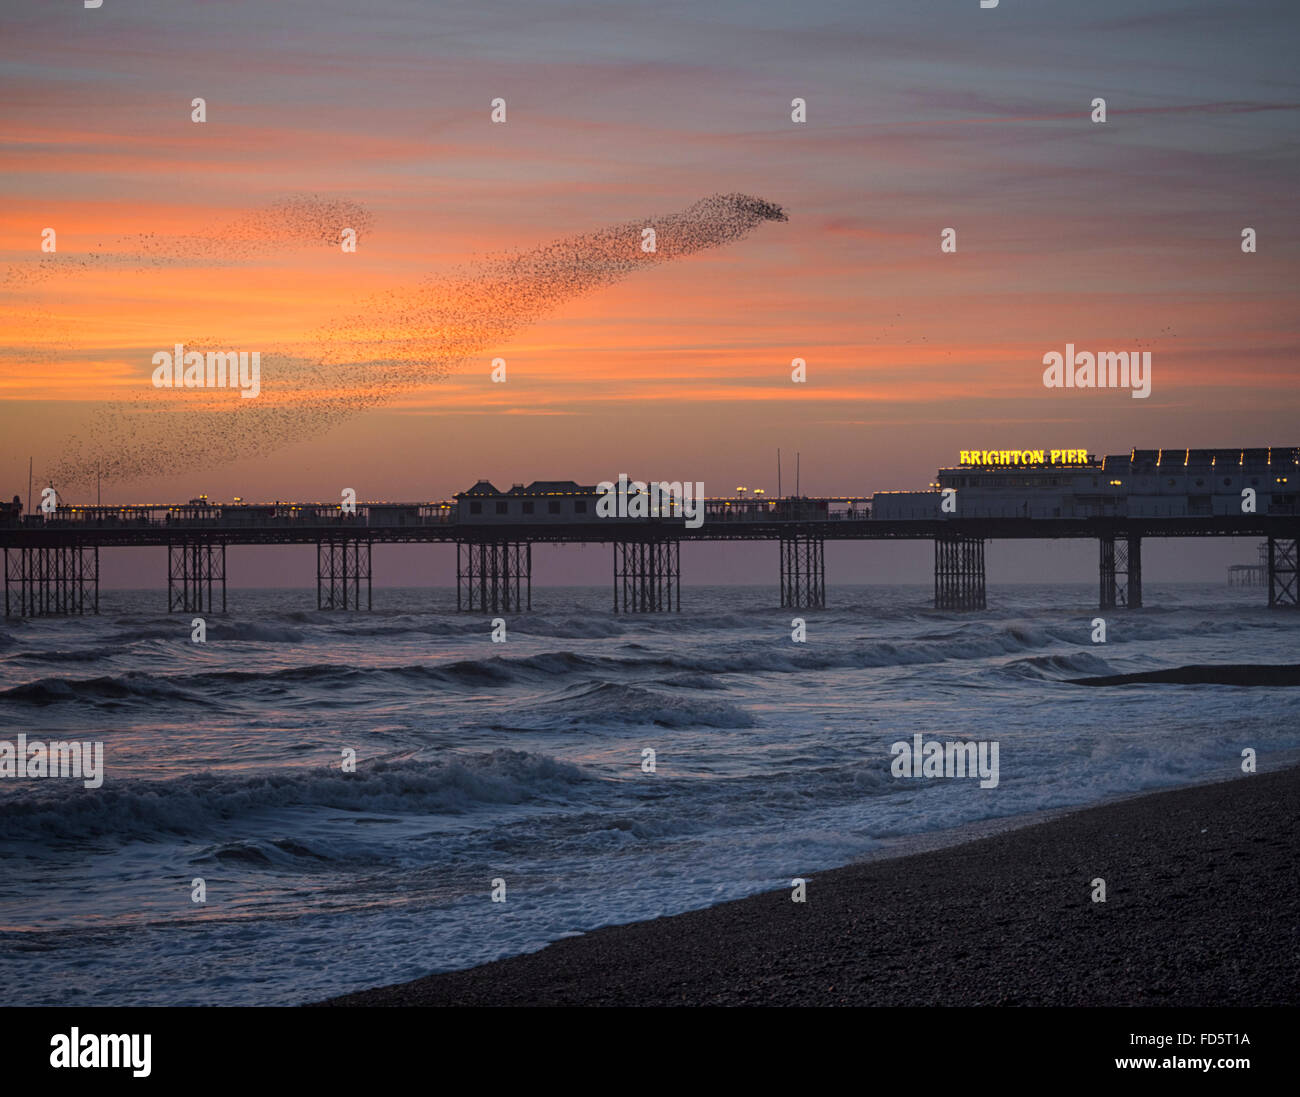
x: 1226, y: 674
x: 1202, y: 908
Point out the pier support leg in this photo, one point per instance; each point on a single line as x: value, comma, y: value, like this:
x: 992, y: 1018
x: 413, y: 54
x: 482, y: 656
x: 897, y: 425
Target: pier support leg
x: 1121, y: 572
x: 803, y: 571
x: 1283, y: 586
x: 194, y: 567
x: 494, y: 576
x: 959, y: 572
x: 647, y: 576
x: 342, y: 564
x: 51, y: 580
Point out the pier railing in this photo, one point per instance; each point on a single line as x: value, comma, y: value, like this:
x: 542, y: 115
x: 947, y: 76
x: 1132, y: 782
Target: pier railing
x: 384, y: 515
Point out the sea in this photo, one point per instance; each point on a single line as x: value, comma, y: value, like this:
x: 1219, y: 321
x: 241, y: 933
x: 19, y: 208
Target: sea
x: 310, y: 803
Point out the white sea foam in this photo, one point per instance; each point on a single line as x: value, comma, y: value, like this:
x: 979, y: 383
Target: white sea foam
x: 523, y: 761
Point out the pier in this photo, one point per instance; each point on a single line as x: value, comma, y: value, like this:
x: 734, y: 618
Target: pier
x: 51, y: 561
x: 1250, y: 575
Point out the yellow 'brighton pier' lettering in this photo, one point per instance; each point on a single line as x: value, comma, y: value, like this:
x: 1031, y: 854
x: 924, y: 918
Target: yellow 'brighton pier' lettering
x: 1024, y: 457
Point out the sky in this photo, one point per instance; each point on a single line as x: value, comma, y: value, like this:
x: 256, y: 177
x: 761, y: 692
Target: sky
x: 920, y: 116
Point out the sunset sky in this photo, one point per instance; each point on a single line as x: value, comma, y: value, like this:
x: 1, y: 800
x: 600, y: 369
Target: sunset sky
x: 921, y: 116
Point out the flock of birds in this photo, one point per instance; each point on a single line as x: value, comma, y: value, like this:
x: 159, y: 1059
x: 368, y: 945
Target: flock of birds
x: 290, y: 222
x: 396, y: 343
